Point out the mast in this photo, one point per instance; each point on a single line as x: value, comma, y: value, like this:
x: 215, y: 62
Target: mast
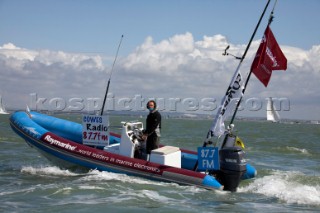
x: 107, y: 89
x: 234, y: 84
x: 249, y: 75
x: 234, y: 88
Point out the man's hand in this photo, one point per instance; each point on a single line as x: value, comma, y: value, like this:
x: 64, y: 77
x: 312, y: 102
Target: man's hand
x: 144, y: 137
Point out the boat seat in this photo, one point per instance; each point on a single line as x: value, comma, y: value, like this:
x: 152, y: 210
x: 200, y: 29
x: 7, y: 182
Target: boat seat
x: 165, y: 150
x: 167, y: 155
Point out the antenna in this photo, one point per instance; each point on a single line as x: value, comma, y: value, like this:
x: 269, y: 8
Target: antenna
x: 226, y: 53
x: 107, y: 89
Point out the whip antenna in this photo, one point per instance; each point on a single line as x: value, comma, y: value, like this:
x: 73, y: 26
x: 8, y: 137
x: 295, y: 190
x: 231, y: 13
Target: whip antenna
x: 226, y: 53
x: 107, y: 89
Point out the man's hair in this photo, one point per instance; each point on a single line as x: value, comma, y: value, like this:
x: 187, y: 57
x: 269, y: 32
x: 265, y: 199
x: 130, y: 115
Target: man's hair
x: 155, y: 104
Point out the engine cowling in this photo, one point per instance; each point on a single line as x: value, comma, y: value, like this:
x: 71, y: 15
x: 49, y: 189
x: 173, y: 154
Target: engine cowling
x: 232, y: 167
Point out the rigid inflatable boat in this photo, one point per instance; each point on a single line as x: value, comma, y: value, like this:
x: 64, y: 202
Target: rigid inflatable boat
x: 60, y: 141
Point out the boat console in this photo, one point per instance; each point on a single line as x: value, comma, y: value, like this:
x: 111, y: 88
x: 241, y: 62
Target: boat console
x: 131, y: 140
x: 132, y: 145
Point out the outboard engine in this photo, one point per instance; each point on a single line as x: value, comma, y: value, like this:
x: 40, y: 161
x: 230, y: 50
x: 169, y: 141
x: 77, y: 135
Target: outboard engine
x: 232, y: 167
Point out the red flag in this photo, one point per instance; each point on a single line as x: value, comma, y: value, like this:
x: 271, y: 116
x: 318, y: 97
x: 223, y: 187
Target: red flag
x: 269, y: 57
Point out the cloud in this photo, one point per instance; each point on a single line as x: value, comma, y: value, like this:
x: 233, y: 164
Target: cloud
x: 199, y: 69
x: 47, y: 57
x: 177, y: 67
x: 48, y: 73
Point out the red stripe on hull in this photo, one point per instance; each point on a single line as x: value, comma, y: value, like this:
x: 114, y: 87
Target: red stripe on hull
x: 113, y: 159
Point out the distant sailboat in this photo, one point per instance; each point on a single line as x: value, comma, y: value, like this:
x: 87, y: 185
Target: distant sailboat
x: 2, y: 109
x: 272, y: 114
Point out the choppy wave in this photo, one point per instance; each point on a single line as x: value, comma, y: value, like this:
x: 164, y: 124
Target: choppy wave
x: 299, y: 150
x: 287, y: 186
x: 97, y: 185
x: 93, y: 175
x: 47, y: 170
x: 30, y: 183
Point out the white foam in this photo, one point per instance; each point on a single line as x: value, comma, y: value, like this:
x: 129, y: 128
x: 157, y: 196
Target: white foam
x: 303, y: 151
x: 98, y: 175
x: 91, y: 187
x: 47, y: 170
x: 286, y: 186
x: 18, y: 191
x: 63, y: 190
x: 95, y: 175
x: 153, y: 195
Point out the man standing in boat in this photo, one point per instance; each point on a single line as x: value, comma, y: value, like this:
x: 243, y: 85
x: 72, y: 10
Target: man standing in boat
x: 153, y: 126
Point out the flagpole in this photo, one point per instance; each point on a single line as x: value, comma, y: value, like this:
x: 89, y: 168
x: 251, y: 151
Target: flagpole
x: 254, y: 32
x: 107, y: 89
x: 235, y: 75
x: 249, y: 75
x: 210, y: 133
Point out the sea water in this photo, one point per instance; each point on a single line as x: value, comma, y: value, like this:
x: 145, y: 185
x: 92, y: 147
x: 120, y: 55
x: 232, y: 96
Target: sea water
x: 286, y: 156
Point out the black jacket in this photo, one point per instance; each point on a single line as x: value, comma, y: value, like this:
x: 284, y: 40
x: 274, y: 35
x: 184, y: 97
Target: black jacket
x: 153, y: 123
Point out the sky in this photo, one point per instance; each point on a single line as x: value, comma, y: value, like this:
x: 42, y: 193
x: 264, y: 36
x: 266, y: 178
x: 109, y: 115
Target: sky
x: 58, y: 54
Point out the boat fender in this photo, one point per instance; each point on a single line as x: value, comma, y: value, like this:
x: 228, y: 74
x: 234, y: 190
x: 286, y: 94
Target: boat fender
x: 211, y: 182
x: 250, y: 173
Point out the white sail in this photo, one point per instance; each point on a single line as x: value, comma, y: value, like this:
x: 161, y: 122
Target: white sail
x: 2, y: 109
x: 272, y: 113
